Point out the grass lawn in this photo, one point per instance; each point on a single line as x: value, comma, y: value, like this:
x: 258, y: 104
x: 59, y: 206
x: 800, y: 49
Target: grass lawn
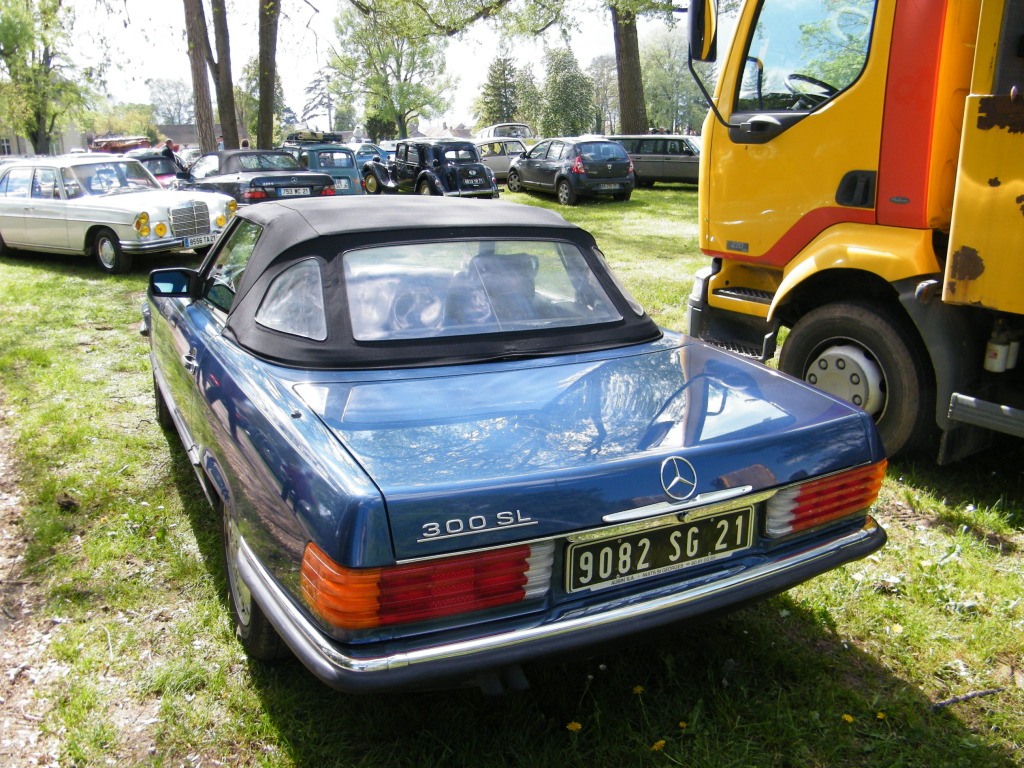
x: 880, y: 663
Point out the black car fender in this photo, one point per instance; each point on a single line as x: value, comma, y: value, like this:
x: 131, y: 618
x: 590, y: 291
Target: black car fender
x: 380, y: 172
x: 434, y: 179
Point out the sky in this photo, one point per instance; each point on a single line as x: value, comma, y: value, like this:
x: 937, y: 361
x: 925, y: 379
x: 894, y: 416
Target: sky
x: 147, y: 41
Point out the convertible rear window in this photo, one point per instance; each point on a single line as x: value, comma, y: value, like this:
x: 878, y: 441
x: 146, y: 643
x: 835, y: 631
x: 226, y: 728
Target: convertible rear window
x: 421, y: 290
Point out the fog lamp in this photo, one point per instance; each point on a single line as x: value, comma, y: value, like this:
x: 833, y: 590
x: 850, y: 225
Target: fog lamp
x: 160, y: 229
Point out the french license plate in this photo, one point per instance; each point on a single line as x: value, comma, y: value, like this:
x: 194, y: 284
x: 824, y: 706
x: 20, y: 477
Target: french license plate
x: 294, y: 191
x: 474, y: 182
x: 199, y: 241
x: 608, y: 187
x: 641, y: 555
x: 341, y: 183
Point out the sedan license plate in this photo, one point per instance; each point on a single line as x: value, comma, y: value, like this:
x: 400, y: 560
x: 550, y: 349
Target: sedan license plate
x: 294, y: 191
x: 199, y: 241
x: 608, y: 187
x: 620, y: 559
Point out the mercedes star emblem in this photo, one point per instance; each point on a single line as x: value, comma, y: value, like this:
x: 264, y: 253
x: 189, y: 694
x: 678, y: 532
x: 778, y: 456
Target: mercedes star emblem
x: 678, y: 478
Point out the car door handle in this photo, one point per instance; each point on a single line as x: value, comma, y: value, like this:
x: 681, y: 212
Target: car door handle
x: 190, y: 361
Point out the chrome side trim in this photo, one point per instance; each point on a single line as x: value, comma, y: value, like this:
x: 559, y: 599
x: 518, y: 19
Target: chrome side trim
x: 345, y: 670
x: 715, y: 498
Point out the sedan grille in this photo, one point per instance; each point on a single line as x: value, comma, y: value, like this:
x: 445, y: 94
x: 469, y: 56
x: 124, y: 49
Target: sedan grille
x: 190, y: 219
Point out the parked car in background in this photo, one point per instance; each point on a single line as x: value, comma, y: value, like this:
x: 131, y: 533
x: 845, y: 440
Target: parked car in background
x: 665, y: 158
x: 508, y: 131
x: 572, y: 168
x: 366, y: 151
x: 389, y: 149
x: 255, y: 175
x: 443, y: 441
x: 188, y: 155
x: 107, y: 206
x: 164, y: 169
x: 497, y: 154
x: 336, y: 161
x: 432, y: 167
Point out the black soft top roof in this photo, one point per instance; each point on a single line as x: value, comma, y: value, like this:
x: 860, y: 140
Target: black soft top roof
x: 326, y: 228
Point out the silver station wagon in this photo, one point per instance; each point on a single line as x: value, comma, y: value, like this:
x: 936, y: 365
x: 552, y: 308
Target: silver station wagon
x: 107, y: 206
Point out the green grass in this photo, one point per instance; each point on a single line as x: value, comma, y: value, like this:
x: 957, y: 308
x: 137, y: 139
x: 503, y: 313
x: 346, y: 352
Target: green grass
x: 841, y: 671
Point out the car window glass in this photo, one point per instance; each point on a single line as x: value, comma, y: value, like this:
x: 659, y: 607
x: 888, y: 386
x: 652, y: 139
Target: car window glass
x: 557, y: 151
x: 294, y: 302
x: 471, y: 287
x: 72, y: 188
x: 336, y: 160
x: 459, y: 155
x: 44, y: 184
x: 227, y: 270
x: 540, y: 151
x: 514, y: 148
x: 114, y: 177
x: 3, y: 186
x: 205, y: 166
x: 798, y: 59
x: 602, y: 150
x: 268, y: 161
x: 19, y: 181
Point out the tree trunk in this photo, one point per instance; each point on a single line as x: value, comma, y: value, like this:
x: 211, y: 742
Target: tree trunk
x: 270, y: 12
x: 221, y: 71
x: 195, y: 27
x: 632, y: 107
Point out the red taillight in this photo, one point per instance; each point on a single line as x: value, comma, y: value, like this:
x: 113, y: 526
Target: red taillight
x: 255, y: 193
x: 820, y: 501
x: 327, y: 191
x: 363, y: 598
x: 631, y: 165
x: 577, y: 166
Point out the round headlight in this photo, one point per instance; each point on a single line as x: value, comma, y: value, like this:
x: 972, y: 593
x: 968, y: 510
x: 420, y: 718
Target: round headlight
x: 232, y: 206
x: 143, y: 230
x: 221, y: 220
x: 160, y: 229
x: 140, y: 222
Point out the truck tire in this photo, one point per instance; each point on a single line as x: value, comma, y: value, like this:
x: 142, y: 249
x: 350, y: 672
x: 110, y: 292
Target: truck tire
x: 867, y: 354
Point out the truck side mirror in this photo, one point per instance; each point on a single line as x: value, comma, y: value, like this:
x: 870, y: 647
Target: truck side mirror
x: 702, y: 22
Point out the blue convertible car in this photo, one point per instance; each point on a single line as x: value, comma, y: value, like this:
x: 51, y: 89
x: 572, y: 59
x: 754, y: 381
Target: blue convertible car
x: 445, y: 441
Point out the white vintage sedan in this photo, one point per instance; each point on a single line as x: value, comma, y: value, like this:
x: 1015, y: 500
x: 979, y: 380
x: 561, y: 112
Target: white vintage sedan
x: 103, y: 205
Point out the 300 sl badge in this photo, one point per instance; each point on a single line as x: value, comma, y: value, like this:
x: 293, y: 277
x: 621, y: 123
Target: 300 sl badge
x: 458, y: 526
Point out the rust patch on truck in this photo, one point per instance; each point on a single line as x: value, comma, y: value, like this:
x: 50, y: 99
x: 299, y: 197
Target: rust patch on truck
x: 994, y: 182
x: 1020, y: 202
x: 967, y: 264
x: 1000, y: 112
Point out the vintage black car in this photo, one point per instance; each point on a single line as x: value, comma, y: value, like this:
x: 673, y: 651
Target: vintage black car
x: 255, y: 175
x: 432, y: 167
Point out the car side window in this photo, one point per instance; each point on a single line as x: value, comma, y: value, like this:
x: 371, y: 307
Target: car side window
x: 540, y: 151
x: 557, y: 151
x: 19, y: 181
x: 232, y: 259
x: 72, y: 187
x: 294, y: 302
x: 205, y: 166
x: 44, y: 184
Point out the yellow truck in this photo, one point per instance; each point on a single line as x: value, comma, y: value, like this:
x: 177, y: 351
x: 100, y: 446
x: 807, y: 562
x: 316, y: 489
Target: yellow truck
x: 862, y: 185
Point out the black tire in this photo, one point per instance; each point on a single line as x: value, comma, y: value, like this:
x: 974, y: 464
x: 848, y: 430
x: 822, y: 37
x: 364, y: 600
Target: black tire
x: 109, y: 256
x: 252, y: 628
x: 513, y: 183
x: 867, y: 354
x: 424, y: 188
x: 622, y: 197
x: 163, y: 413
x: 4, y: 250
x: 371, y: 184
x: 566, y: 194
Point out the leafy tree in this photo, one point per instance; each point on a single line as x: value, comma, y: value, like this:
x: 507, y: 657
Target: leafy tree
x: 380, y: 128
x: 388, y: 62
x: 42, y: 88
x: 122, y: 120
x: 247, y: 103
x: 606, y: 93
x: 673, y: 99
x: 269, y: 83
x: 199, y: 49
x: 529, y: 97
x: 568, y: 96
x: 173, y: 101
x: 499, y: 98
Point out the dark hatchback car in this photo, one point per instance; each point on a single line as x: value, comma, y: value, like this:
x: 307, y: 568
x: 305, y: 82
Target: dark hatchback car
x: 448, y: 167
x: 443, y: 441
x: 572, y: 168
x: 255, y: 175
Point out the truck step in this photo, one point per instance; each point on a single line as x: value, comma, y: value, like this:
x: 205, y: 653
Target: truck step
x: 747, y: 350
x: 981, y: 413
x: 745, y: 294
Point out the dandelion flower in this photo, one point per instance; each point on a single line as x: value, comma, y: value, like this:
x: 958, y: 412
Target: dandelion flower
x: 573, y: 726
x: 848, y: 718
x: 682, y: 724
x: 880, y: 716
x: 658, y: 745
x: 638, y: 689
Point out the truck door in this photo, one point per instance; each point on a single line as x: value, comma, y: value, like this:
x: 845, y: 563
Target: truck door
x: 803, y: 95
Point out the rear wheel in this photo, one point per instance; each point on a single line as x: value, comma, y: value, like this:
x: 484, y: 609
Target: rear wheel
x: 109, y: 256
x: 371, y: 184
x: 4, y: 250
x: 252, y: 628
x: 869, y: 356
x: 424, y: 188
x: 622, y: 196
x: 566, y: 195
x: 513, y: 183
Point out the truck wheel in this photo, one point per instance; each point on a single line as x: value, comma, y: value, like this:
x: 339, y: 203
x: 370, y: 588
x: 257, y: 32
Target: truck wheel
x: 865, y: 354
x: 566, y: 196
x: 109, y: 255
x: 252, y: 628
x: 371, y: 184
x: 513, y: 183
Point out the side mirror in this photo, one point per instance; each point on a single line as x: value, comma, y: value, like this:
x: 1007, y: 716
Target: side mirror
x: 702, y: 24
x: 174, y: 283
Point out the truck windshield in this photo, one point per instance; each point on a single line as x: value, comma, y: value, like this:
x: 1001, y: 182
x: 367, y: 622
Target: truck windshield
x: 801, y: 54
